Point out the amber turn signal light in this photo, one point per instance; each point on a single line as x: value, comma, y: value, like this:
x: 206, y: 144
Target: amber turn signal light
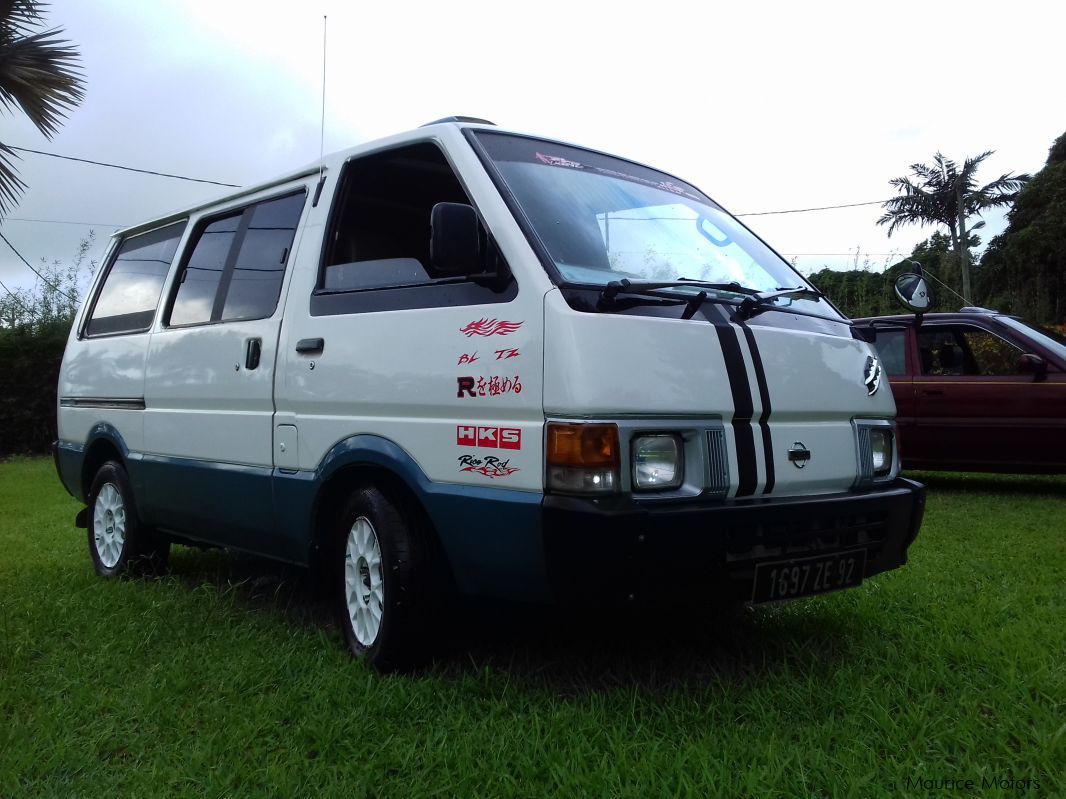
x: 582, y: 445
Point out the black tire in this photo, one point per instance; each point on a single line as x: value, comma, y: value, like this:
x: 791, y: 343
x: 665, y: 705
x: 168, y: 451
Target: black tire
x: 400, y: 588
x: 118, y: 543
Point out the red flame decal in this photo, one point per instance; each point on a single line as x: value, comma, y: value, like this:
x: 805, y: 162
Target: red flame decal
x: 489, y: 327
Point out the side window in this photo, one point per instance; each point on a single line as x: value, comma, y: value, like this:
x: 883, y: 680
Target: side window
x: 890, y: 349
x: 991, y: 355
x: 130, y: 292
x: 236, y: 265
x: 202, y: 274
x: 939, y: 351
x: 255, y: 283
x: 965, y: 350
x: 377, y: 254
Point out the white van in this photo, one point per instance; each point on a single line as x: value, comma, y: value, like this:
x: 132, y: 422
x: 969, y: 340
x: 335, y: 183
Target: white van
x: 460, y: 359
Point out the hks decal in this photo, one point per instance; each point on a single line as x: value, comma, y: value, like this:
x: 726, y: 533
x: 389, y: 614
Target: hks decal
x: 493, y: 386
x: 468, y: 435
x: 490, y: 466
x: 489, y: 327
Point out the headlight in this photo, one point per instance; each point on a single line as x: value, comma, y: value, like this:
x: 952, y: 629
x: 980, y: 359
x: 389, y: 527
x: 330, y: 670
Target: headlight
x: 656, y: 462
x: 881, y: 451
x: 876, y: 450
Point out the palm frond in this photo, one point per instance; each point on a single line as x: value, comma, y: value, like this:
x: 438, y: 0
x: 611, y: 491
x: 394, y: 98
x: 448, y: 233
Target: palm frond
x: 40, y: 75
x: 18, y: 17
x: 11, y: 186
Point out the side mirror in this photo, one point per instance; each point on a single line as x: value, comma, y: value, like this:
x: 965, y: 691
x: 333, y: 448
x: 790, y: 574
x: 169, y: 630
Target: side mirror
x: 1031, y: 364
x: 454, y: 239
x: 913, y: 293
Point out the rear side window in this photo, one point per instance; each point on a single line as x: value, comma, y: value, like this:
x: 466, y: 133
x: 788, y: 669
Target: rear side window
x: 237, y: 263
x: 130, y: 292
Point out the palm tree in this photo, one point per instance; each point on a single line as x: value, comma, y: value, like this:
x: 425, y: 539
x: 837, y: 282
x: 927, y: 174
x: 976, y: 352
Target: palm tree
x: 944, y: 194
x: 39, y: 74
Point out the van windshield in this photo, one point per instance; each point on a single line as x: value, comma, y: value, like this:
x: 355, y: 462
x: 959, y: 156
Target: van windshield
x: 602, y: 219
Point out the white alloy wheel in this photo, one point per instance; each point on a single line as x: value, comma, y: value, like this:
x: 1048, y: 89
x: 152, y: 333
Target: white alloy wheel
x: 109, y: 525
x: 364, y: 588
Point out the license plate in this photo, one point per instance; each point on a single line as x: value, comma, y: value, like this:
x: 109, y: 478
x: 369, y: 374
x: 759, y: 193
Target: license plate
x: 788, y: 579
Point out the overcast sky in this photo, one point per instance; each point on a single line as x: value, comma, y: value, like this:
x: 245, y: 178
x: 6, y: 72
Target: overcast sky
x: 765, y: 106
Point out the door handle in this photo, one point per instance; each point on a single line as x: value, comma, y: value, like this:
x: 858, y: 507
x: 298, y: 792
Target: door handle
x: 310, y: 345
x: 253, y: 350
x: 932, y: 392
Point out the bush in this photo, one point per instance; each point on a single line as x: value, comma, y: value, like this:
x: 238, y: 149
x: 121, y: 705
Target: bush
x: 29, y: 374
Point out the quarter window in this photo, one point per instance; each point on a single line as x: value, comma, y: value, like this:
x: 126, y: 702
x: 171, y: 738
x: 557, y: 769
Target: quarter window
x: 237, y: 264
x: 890, y: 350
x: 130, y: 293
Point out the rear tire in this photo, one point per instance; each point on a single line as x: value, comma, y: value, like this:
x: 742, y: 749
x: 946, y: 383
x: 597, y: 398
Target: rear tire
x: 382, y: 582
x: 118, y: 543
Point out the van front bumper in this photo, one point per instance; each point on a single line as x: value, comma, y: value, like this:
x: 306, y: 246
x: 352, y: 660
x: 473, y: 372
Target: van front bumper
x: 620, y: 552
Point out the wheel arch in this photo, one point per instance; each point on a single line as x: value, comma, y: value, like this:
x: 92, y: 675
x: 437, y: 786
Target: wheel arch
x: 373, y: 459
x: 104, y: 443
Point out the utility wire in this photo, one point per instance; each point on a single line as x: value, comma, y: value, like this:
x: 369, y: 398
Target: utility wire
x: 46, y: 281
x: 821, y: 208
x: 62, y: 222
x: 126, y: 168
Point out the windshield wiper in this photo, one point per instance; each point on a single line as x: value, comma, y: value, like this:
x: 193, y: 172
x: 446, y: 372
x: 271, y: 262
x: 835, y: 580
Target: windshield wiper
x: 763, y: 301
x: 616, y: 287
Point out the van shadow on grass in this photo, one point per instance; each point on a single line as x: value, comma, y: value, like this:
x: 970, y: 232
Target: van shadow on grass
x: 563, y: 650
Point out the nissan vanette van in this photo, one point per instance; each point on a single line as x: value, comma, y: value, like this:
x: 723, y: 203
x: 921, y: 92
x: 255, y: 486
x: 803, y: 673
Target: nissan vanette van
x: 465, y: 360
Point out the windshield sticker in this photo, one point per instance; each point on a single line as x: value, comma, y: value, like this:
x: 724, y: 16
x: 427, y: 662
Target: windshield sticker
x: 490, y: 466
x: 664, y: 185
x: 468, y: 435
x: 493, y: 386
x: 556, y: 160
x: 489, y: 327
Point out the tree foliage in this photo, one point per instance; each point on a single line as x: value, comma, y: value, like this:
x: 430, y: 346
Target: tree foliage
x: 1024, y: 268
x: 39, y: 75
x: 947, y: 194
x: 34, y: 325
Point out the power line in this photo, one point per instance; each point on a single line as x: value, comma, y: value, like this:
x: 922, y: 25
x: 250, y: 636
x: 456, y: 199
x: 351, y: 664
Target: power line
x: 126, y: 168
x: 62, y: 222
x: 821, y: 208
x: 46, y: 281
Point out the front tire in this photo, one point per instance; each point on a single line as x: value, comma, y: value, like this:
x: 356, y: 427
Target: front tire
x: 383, y: 582
x: 118, y: 543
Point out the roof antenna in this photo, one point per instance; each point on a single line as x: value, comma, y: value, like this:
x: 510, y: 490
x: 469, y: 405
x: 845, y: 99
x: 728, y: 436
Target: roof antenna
x: 322, y: 126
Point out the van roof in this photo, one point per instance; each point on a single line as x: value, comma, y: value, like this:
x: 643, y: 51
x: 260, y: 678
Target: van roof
x: 303, y: 172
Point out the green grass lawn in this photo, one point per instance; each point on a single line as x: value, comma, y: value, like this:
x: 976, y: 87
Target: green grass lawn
x: 228, y: 678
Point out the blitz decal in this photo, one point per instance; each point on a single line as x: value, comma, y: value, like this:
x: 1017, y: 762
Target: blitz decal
x: 494, y: 386
x: 490, y: 466
x: 489, y: 327
x: 467, y: 358
x: 468, y: 435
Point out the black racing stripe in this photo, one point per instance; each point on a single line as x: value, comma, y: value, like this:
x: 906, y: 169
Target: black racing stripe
x: 743, y: 407
x: 764, y: 416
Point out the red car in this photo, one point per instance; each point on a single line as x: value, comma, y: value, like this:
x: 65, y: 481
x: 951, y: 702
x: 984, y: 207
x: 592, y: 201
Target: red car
x: 976, y: 391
